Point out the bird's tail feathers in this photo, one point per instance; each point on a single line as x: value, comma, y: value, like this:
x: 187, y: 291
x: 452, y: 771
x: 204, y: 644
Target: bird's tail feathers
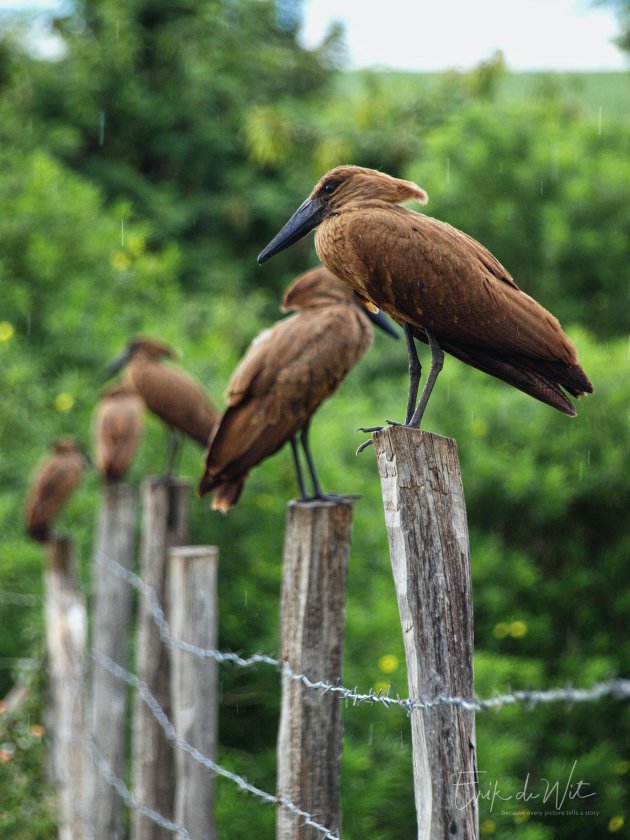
x: 540, y: 379
x: 225, y: 491
x: 227, y: 494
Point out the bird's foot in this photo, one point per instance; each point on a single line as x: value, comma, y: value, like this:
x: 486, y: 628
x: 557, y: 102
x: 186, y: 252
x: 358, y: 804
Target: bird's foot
x: 369, y: 429
x: 327, y: 497
x: 363, y: 445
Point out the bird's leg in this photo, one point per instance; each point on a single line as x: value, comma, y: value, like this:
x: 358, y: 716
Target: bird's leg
x: 317, y: 490
x: 415, y: 370
x: 298, y: 470
x: 437, y: 360
x: 174, y: 451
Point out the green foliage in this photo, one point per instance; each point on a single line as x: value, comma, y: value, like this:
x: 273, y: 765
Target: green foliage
x: 26, y: 804
x: 140, y: 175
x: 543, y: 190
x: 160, y: 99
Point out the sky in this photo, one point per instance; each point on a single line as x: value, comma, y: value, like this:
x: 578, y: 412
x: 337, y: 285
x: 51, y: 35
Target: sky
x: 442, y: 34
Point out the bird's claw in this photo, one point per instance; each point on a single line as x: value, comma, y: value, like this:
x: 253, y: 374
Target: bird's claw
x: 364, y: 445
x: 369, y: 429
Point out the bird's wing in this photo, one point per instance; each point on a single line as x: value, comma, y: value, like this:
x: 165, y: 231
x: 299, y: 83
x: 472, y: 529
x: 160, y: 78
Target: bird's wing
x: 54, y: 482
x: 177, y: 399
x: 266, y: 356
x: 427, y: 273
x: 118, y: 427
x: 285, y: 375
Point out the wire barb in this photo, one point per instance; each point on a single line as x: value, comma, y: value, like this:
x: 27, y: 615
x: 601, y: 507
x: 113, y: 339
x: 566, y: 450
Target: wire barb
x: 169, y: 730
x: 618, y: 689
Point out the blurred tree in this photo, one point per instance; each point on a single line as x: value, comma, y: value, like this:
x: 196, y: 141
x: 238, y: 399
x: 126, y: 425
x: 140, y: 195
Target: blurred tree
x: 548, y: 192
x: 622, y: 7
x: 156, y: 96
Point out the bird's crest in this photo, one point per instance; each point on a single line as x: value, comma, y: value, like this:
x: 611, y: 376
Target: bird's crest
x: 347, y: 184
x: 316, y: 287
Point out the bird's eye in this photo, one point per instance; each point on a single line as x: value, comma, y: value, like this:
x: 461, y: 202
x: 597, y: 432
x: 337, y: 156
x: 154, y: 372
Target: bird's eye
x: 330, y: 187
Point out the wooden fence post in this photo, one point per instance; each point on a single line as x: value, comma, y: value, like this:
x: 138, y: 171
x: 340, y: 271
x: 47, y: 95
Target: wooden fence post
x: 425, y: 515
x: 164, y: 524
x: 316, y: 549
x: 111, y: 618
x: 194, y: 682
x: 66, y: 630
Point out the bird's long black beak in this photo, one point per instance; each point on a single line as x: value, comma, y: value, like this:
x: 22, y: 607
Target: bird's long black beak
x: 308, y: 215
x: 381, y: 320
x: 116, y: 364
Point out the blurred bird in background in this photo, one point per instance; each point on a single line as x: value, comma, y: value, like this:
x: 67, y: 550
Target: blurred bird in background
x: 170, y: 394
x: 116, y: 431
x: 53, y: 483
x: 287, y: 372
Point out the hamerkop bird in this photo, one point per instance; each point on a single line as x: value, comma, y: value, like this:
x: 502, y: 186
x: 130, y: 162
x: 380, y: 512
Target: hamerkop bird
x: 170, y: 394
x: 54, y: 481
x: 284, y: 377
x: 441, y: 285
x: 116, y: 431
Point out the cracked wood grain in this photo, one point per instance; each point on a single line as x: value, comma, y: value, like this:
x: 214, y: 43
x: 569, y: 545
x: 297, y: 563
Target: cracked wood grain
x: 425, y: 517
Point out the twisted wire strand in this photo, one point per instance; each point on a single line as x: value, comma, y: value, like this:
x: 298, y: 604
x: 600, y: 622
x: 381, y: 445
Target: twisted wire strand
x: 618, y: 689
x: 169, y: 730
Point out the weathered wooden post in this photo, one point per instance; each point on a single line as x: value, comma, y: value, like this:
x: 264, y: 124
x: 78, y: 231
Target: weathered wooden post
x: 194, y: 682
x: 66, y: 631
x: 111, y: 618
x: 425, y: 515
x: 164, y: 524
x: 316, y: 549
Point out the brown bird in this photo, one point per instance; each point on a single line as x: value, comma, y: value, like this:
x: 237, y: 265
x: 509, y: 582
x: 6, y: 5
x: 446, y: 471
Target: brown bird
x: 170, y: 394
x: 54, y: 481
x: 288, y: 371
x: 440, y: 284
x: 116, y: 432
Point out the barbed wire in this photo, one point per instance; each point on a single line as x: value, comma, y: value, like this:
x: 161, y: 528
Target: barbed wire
x: 618, y: 688
x: 125, y: 794
x: 159, y: 619
x: 169, y: 730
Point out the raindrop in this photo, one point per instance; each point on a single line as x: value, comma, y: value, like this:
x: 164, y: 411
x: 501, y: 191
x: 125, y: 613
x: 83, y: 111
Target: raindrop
x: 122, y: 233
x: 555, y: 156
x: 542, y: 186
x: 101, y: 128
x: 246, y: 597
x: 588, y: 457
